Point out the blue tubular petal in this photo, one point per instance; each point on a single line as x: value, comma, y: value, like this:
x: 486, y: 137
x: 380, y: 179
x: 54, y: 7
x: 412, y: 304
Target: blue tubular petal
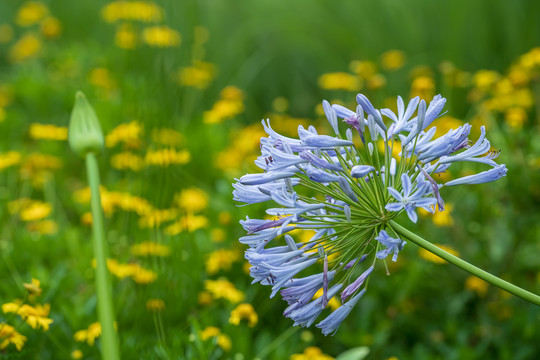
x: 334, y: 320
x: 368, y: 108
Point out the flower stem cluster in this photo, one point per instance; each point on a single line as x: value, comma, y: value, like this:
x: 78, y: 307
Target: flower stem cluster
x: 348, y: 191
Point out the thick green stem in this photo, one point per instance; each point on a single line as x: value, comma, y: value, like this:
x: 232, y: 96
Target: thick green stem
x: 109, y: 340
x: 484, y: 275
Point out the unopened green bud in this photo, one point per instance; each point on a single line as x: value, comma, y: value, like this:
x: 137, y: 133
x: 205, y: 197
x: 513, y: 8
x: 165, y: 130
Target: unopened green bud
x: 84, y: 132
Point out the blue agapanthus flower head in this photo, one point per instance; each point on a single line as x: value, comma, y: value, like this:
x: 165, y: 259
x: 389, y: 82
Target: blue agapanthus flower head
x: 347, y: 192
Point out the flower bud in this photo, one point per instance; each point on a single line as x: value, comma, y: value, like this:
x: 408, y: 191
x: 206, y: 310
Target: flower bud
x: 84, y: 132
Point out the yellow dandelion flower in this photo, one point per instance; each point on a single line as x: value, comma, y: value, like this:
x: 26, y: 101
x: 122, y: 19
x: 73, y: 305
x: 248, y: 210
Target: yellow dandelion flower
x: 102, y: 78
x: 125, y: 37
x: 515, y: 117
x: 199, y: 75
x: 36, y: 317
x: 340, y: 81
x: 221, y: 260
x: 224, y: 217
x: 144, y: 11
x: 161, y: 36
x: 188, y: 223
x: 217, y: 235
x: 393, y: 59
x: 36, y: 210
x: 311, y: 353
x: 434, y: 258
x: 88, y: 335
x: 48, y: 132
x: 28, y: 46
x: 222, y: 110
x: 8, y: 335
x: 31, y: 13
x: 149, y: 248
x: 223, y: 340
x: 33, y: 287
x: 128, y: 133
x: 476, y: 285
x: 127, y: 161
x: 167, y: 137
x: 192, y: 199
x: 364, y: 69
x: 6, y: 33
x: 485, y: 79
x: 77, y: 354
x: 144, y: 276
x: 376, y: 81
x: 423, y: 86
x: 156, y: 217
x: 244, y: 311
x: 51, y: 27
x: 204, y: 298
x: 9, y: 159
x: 223, y: 289
x: 12, y: 307
x: 155, y: 305
x: 167, y: 157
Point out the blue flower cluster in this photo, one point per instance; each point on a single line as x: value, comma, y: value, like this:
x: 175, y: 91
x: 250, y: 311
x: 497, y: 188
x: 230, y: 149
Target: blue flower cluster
x: 347, y: 192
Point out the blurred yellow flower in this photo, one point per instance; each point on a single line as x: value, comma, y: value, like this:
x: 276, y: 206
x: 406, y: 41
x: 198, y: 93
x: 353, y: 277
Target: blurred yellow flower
x: 515, y: 117
x: 217, y: 235
x: 189, y: 223
x: 8, y: 335
x: 48, y: 132
x: 28, y: 46
x: 144, y: 11
x: 156, y: 217
x: 135, y: 271
x: 364, y: 69
x: 77, y: 354
x: 31, y: 13
x: 223, y: 340
x: 44, y: 227
x: 444, y: 218
x: 128, y: 133
x: 36, y: 165
x: 127, y: 161
x: 101, y: 77
x: 311, y: 353
x: 280, y: 104
x: 51, y: 27
x: 155, y: 305
x: 393, y: 59
x: 33, y: 287
x: 125, y: 37
x: 221, y: 110
x: 167, y: 137
x: 423, y: 86
x: 340, y: 81
x: 167, y: 157
x: 245, y: 145
x: 223, y: 289
x: 244, y: 311
x: 476, y: 285
x: 221, y: 259
x: 376, y: 81
x: 6, y: 33
x: 199, y: 75
x: 434, y: 258
x: 149, y: 248
x: 35, y: 210
x: 35, y: 316
x: 161, y: 36
x: 204, y: 298
x: 485, y: 79
x: 89, y: 335
x: 9, y: 159
x: 192, y: 199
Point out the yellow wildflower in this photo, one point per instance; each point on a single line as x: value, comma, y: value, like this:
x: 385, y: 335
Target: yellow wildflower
x: 161, y: 36
x: 224, y: 217
x: 434, y: 258
x: 444, y: 218
x: 9, y: 159
x: 8, y: 335
x: 31, y: 13
x: 393, y: 59
x: 204, y: 298
x: 333, y: 303
x: 423, y: 86
x: 28, y: 46
x: 485, y: 79
x: 364, y: 69
x: 167, y: 137
x: 476, y: 285
x: 518, y: 76
x: 155, y: 305
x: 149, y: 248
x: 48, y: 132
x: 376, y: 81
x: 156, y: 217
x: 223, y: 289
x: 36, y: 210
x: 36, y: 316
x: 311, y: 353
x: 188, y: 223
x: 144, y: 276
x: 12, y: 307
x: 339, y: 81
x: 515, y: 117
x: 244, y: 311
x: 76, y: 354
x: 144, y: 11
x: 127, y: 161
x: 51, y: 27
x: 192, y: 199
x: 33, y: 287
x: 199, y: 75
x: 125, y: 37
x: 89, y: 335
x: 221, y: 110
x: 101, y: 77
x: 128, y: 133
x: 244, y: 146
x: 167, y: 157
x: 6, y: 33
x: 223, y: 340
x: 221, y: 259
x: 217, y: 235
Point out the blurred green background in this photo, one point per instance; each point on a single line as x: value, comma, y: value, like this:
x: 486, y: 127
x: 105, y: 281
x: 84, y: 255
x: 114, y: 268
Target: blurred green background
x: 180, y: 88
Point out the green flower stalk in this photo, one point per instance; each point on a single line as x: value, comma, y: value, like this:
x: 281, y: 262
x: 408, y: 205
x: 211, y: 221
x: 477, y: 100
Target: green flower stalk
x: 86, y: 139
